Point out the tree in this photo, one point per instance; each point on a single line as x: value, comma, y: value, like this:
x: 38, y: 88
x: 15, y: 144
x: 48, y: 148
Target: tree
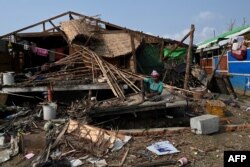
x: 244, y: 21
x: 231, y: 24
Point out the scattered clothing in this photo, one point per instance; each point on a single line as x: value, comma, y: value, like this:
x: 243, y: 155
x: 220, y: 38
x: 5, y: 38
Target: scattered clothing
x: 40, y: 51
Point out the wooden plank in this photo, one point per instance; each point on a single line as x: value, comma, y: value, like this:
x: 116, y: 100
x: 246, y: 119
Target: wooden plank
x: 144, y: 107
x: 97, y: 86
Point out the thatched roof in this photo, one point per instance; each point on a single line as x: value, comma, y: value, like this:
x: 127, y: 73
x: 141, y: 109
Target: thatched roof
x: 114, y: 44
x: 77, y: 27
x: 110, y: 44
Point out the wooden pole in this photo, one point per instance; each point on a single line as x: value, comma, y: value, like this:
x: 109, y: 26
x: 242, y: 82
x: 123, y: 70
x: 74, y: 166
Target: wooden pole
x: 216, y: 67
x: 161, y: 50
x: 133, y: 52
x: 44, y: 28
x: 189, y: 57
x: 176, y: 46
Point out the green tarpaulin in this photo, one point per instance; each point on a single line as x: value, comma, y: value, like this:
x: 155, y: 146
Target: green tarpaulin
x: 178, y: 53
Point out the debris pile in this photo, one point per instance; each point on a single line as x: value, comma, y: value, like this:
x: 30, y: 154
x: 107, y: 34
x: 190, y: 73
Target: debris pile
x: 102, y: 71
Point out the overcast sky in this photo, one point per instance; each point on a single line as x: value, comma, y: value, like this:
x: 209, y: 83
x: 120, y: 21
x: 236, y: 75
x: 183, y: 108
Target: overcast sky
x: 168, y: 18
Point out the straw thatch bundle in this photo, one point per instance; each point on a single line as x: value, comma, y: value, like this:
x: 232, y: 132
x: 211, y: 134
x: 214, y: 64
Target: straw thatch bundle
x: 115, y: 44
x: 77, y: 27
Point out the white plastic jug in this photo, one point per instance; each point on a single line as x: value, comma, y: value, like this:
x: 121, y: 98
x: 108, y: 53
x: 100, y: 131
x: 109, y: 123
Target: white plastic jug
x: 49, y: 111
x: 8, y: 78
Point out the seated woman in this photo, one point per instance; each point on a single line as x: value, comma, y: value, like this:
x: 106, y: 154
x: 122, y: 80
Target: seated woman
x: 153, y: 86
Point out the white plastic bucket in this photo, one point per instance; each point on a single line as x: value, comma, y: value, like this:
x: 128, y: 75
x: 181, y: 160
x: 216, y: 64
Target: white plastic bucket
x: 53, y: 105
x: 8, y: 78
x: 49, y: 111
x: 1, y: 78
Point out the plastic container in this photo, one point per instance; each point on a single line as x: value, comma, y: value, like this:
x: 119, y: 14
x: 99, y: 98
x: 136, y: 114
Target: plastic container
x: 49, y: 111
x: 8, y: 78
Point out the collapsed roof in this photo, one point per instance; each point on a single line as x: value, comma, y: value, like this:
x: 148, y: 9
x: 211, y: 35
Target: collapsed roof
x: 110, y: 40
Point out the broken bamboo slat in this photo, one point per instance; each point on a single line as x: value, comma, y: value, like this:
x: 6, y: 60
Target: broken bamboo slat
x: 105, y: 75
x: 127, y: 81
x: 114, y: 80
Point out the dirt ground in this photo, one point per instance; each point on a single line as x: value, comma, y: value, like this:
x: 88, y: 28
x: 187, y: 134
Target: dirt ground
x: 200, y: 150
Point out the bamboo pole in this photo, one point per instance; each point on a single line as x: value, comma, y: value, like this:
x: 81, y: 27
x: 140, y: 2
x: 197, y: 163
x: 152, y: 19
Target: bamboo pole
x: 126, y: 80
x: 106, y: 76
x: 114, y: 80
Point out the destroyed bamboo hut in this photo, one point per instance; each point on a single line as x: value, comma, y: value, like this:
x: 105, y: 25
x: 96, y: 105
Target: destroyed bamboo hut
x: 97, y: 68
x: 75, y: 53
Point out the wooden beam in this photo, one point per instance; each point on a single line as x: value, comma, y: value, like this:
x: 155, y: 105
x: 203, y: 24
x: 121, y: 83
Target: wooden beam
x: 59, y: 30
x: 96, y: 86
x: 70, y: 13
x: 34, y: 25
x: 71, y: 17
x: 44, y: 28
x: 122, y: 28
x: 38, y: 34
x: 52, y: 29
x: 189, y: 57
x: 179, y: 44
x: 55, y: 27
x: 161, y: 50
